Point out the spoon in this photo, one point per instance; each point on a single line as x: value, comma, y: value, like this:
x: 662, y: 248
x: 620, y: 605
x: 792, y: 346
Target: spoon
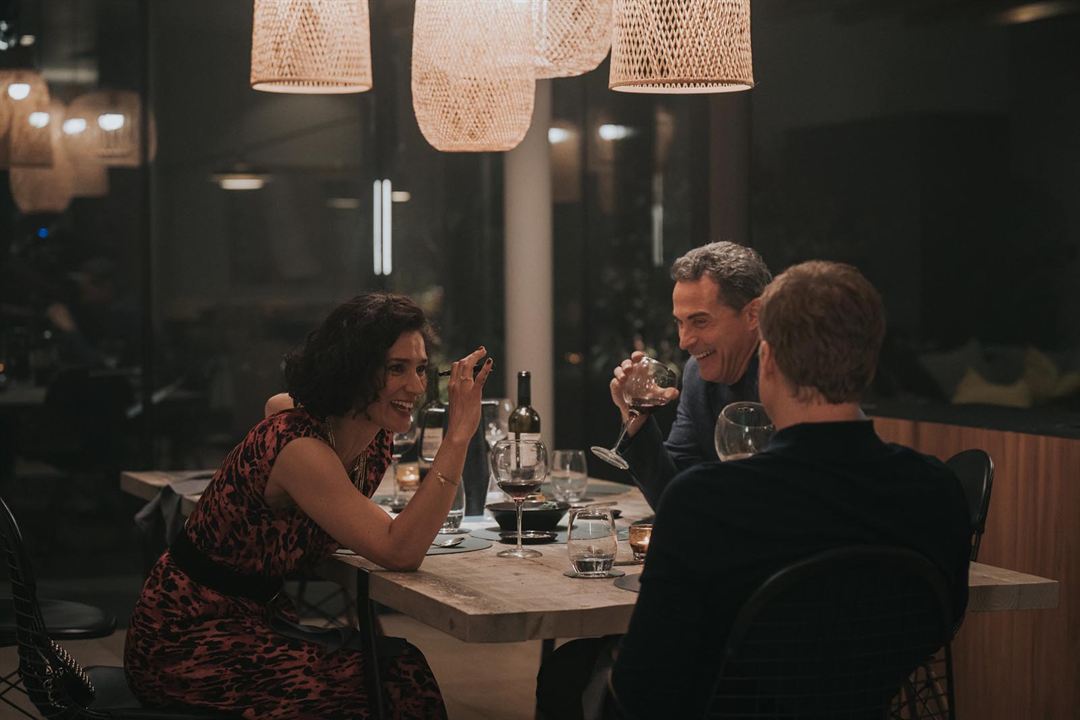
x: 449, y: 542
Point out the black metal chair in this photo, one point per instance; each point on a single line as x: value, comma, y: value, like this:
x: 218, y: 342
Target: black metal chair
x: 65, y: 620
x: 56, y: 684
x: 975, y: 469
x: 835, y: 636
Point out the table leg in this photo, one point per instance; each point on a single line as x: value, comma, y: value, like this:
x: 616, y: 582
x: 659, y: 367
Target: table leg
x: 547, y: 646
x: 366, y: 624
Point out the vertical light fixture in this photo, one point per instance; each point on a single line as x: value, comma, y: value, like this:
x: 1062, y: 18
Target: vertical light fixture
x: 473, y: 75
x: 311, y: 46
x: 387, y: 226
x: 382, y: 240
x: 571, y: 36
x: 681, y: 46
x: 376, y: 226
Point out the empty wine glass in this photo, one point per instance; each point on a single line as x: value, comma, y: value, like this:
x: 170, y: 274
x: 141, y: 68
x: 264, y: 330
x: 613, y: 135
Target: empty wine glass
x: 569, y: 475
x: 742, y: 429
x: 520, y: 467
x: 643, y: 389
x: 403, y: 442
x: 496, y: 418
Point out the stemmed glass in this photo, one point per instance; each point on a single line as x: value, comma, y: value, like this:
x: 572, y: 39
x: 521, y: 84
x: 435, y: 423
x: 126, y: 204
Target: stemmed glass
x: 495, y: 416
x: 403, y: 442
x: 520, y: 467
x: 643, y: 391
x: 569, y: 475
x: 742, y: 429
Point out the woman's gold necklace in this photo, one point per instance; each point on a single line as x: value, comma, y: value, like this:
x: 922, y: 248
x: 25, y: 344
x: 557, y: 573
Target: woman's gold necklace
x: 359, y: 469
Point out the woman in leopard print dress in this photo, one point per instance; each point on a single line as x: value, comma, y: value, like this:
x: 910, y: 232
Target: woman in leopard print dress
x: 210, y: 628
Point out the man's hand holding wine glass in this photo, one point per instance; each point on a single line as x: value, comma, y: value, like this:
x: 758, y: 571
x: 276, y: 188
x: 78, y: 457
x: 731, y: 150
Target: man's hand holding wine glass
x: 626, y: 373
x: 643, y: 384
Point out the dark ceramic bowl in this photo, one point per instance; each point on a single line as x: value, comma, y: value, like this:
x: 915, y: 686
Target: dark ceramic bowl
x: 535, y: 514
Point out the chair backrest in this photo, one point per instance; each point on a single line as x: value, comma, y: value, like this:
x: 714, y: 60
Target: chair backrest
x: 835, y: 636
x: 976, y: 472
x: 55, y: 683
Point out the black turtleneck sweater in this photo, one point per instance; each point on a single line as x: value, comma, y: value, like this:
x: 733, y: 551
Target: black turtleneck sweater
x: 722, y: 528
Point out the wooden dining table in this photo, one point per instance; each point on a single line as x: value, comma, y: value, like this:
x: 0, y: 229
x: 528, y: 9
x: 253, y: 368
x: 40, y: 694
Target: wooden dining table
x: 479, y: 597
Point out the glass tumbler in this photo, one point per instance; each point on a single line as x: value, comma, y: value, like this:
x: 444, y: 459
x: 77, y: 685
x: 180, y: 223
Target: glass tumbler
x: 591, y: 543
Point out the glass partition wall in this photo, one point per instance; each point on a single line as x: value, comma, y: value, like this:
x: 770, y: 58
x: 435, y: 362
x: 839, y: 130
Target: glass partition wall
x: 352, y: 197
x: 188, y: 279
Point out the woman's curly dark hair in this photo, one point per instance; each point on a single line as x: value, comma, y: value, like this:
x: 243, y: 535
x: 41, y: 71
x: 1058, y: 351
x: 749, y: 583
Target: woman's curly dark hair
x: 340, y: 367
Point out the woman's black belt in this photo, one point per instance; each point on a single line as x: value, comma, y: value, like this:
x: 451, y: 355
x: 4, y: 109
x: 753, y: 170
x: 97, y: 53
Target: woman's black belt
x: 204, y: 570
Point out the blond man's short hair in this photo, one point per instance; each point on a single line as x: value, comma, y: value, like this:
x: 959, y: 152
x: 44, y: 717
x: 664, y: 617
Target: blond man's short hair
x: 825, y: 324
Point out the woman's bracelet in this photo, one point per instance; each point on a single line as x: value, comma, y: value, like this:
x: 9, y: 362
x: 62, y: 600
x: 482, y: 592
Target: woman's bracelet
x: 443, y: 480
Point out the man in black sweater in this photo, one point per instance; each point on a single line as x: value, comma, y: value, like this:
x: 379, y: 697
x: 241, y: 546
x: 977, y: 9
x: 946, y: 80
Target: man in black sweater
x: 826, y: 480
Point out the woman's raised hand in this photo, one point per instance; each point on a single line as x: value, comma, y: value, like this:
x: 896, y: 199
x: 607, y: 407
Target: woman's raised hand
x: 465, y: 393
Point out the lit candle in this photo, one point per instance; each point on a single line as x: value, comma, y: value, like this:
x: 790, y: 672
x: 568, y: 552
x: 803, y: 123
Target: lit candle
x: 639, y: 540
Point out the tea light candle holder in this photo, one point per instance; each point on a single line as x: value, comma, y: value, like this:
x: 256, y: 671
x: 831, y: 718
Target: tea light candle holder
x: 408, y: 476
x: 640, y: 535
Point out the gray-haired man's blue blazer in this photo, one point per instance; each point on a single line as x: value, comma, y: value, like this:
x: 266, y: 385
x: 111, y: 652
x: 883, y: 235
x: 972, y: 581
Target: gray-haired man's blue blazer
x: 654, y: 461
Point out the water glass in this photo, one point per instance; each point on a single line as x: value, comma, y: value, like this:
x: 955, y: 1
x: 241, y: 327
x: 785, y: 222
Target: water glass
x: 591, y: 543
x: 403, y: 442
x: 452, y: 524
x: 569, y: 475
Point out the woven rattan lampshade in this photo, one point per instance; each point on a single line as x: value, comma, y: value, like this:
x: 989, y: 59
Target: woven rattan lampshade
x: 5, y: 122
x: 27, y: 98
x: 681, y: 46
x: 46, y: 189
x: 472, y: 73
x: 90, y: 179
x: 111, y: 128
x: 311, y: 46
x: 572, y: 36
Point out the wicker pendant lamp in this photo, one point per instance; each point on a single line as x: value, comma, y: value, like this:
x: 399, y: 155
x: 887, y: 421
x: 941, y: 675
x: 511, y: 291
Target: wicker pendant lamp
x: 90, y: 178
x: 106, y: 126
x: 311, y: 46
x: 681, y: 46
x: 5, y: 122
x: 473, y: 79
x: 572, y: 36
x: 46, y: 189
x: 27, y: 98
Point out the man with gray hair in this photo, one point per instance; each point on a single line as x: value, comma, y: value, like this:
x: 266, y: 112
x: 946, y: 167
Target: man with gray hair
x: 715, y: 304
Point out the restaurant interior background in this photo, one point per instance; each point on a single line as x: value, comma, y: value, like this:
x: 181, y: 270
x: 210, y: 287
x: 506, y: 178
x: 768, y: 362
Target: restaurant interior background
x: 933, y: 144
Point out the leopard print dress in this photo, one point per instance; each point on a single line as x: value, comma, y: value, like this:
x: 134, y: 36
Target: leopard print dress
x: 191, y: 645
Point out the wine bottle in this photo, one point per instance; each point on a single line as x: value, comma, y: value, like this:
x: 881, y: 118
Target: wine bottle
x: 524, y: 422
x: 432, y: 419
